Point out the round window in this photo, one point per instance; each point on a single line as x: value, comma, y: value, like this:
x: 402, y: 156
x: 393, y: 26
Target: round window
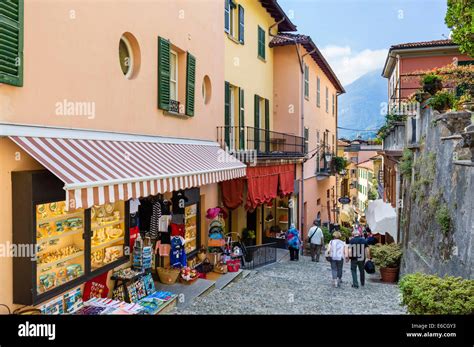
x: 206, y: 89
x: 129, y: 55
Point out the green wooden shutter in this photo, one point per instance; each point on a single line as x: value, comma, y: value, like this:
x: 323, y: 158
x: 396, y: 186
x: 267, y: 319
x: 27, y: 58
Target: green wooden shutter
x: 261, y: 43
x: 11, y: 42
x: 227, y: 16
x: 190, y: 83
x: 241, y: 119
x: 227, y: 128
x: 267, y: 125
x: 241, y: 24
x: 256, y: 137
x: 163, y: 74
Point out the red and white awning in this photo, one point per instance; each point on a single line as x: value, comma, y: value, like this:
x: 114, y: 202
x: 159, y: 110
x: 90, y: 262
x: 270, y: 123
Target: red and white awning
x: 98, y: 171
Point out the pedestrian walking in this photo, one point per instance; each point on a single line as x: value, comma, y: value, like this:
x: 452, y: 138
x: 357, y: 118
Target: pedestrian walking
x: 336, y: 253
x: 358, y: 252
x: 315, y: 240
x: 293, y: 241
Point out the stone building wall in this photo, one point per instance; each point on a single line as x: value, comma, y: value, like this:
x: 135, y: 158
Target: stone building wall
x: 437, y: 218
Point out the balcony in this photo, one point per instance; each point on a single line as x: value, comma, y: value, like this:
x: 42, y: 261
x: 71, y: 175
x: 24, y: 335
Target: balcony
x: 324, y: 163
x: 266, y: 144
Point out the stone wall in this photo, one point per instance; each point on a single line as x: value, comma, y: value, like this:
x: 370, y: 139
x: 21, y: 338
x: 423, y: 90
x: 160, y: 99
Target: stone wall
x: 437, y: 218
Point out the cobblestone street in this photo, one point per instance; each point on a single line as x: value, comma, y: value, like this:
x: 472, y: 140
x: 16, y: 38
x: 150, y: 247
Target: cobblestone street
x: 300, y: 287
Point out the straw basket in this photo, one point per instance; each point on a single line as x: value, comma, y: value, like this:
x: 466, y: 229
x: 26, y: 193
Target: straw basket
x: 167, y: 276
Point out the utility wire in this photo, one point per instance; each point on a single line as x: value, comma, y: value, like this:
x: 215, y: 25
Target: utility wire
x: 368, y: 130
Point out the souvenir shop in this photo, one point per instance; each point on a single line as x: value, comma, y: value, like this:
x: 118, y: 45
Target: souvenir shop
x: 100, y: 248
x: 265, y: 202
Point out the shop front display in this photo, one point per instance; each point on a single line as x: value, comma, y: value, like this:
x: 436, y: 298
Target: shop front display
x: 277, y: 219
x: 59, y: 245
x: 69, y: 246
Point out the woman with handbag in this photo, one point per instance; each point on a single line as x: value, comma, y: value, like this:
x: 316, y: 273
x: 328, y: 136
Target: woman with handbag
x: 335, y: 254
x: 293, y: 241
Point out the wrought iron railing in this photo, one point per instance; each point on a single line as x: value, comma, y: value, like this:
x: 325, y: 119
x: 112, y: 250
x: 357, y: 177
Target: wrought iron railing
x: 260, y: 255
x: 265, y: 143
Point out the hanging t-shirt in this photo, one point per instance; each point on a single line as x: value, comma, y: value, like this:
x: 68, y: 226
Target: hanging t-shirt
x: 179, y: 202
x: 134, y: 203
x: 145, y: 212
x: 178, y: 253
x: 155, y: 219
x: 165, y: 207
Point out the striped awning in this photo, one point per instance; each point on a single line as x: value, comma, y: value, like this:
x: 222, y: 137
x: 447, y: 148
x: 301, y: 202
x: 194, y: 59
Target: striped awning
x: 98, y: 171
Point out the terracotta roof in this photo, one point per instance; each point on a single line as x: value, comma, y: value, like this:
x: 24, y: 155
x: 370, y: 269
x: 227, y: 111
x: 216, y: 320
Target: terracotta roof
x: 422, y: 44
x: 277, y: 13
x: 390, y: 60
x: 305, y: 40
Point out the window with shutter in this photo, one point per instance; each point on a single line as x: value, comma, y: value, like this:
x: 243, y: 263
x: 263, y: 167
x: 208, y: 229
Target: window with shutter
x: 227, y: 16
x: 163, y: 74
x: 190, y: 83
x: 261, y: 43
x: 241, y: 24
x: 256, y: 122
x: 318, y: 92
x: 306, y: 81
x: 327, y: 100
x: 227, y: 129
x: 241, y: 119
x: 267, y: 125
x: 11, y: 42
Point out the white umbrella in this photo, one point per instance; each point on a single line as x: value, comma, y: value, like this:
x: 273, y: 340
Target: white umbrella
x: 382, y: 218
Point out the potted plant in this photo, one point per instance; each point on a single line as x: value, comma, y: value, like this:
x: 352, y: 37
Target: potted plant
x: 248, y: 237
x: 432, y: 83
x: 442, y: 101
x: 387, y: 257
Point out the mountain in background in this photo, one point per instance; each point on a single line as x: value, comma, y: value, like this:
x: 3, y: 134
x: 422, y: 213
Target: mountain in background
x: 359, y: 107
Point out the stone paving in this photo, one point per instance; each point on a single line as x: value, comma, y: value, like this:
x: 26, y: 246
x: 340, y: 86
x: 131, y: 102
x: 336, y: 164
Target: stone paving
x: 302, y: 287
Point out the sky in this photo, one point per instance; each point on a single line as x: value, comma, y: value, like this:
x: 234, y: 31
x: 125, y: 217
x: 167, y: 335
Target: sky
x: 354, y: 35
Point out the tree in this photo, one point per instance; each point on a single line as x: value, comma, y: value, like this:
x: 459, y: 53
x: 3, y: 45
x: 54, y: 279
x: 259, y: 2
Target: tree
x: 459, y: 19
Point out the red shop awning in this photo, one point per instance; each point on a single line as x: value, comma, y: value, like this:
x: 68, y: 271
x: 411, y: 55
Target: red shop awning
x: 98, y: 168
x: 265, y: 183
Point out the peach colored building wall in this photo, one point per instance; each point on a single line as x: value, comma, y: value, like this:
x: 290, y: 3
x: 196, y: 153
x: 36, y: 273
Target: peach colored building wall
x: 288, y: 89
x: 409, y: 64
x: 76, y: 59
x: 71, y: 53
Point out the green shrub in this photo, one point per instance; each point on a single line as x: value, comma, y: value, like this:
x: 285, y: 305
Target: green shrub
x: 387, y: 255
x: 443, y: 218
x: 442, y: 101
x: 327, y: 235
x: 432, y: 83
x: 406, y: 162
x: 429, y: 294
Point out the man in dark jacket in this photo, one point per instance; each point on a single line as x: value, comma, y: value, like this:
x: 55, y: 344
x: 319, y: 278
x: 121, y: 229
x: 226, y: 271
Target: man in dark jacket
x: 358, y: 252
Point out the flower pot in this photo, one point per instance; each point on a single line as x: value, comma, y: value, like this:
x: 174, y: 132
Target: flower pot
x: 389, y: 274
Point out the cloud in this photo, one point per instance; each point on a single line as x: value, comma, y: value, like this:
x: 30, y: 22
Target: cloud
x: 349, y: 65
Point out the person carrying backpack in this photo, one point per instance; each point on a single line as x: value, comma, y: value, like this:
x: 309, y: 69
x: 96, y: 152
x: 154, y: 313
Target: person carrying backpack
x: 316, y: 241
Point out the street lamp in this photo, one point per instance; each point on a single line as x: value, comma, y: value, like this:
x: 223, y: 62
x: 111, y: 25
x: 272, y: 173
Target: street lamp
x: 328, y: 156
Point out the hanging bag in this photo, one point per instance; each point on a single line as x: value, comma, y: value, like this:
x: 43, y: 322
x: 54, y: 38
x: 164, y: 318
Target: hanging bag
x: 369, y: 267
x: 328, y: 252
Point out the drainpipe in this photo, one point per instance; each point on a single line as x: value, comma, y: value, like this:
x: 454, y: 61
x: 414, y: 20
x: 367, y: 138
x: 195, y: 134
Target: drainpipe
x: 301, y: 62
